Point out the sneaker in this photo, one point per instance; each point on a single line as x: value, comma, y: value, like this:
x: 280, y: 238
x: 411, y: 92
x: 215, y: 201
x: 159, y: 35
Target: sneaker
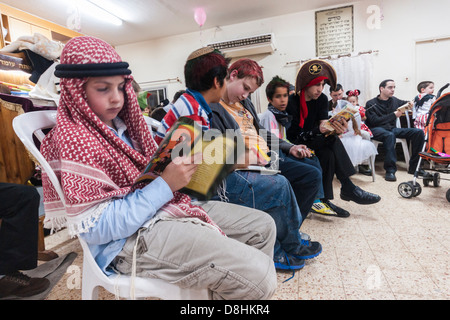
x: 20, y: 285
x: 305, y: 239
x: 308, y: 251
x: 322, y: 208
x: 341, y: 213
x: 289, y: 262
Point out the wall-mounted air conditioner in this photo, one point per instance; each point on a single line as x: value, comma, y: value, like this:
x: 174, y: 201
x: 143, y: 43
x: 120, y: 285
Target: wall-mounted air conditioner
x: 260, y: 44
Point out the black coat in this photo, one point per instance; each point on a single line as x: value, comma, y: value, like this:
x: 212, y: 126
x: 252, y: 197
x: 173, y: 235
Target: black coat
x: 380, y: 113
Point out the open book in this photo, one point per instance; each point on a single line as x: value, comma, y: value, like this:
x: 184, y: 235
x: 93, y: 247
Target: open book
x: 186, y: 138
x: 406, y: 106
x: 345, y: 114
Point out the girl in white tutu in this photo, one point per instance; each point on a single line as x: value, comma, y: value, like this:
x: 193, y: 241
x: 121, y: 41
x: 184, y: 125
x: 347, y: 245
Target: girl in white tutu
x: 359, y: 148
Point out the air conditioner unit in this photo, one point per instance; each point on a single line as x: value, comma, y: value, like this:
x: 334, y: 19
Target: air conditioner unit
x: 260, y: 44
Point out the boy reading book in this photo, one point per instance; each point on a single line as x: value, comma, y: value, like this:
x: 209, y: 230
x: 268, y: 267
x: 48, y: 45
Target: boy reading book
x: 344, y: 115
x: 270, y: 193
x: 309, y: 111
x: 98, y: 148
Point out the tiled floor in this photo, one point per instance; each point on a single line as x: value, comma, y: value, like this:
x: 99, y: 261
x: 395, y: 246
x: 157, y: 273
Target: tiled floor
x: 396, y: 249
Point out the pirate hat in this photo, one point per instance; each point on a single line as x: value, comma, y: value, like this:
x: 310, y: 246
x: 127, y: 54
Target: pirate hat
x: 313, y: 69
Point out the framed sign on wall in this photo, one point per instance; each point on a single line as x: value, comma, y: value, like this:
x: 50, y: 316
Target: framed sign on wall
x: 334, y: 31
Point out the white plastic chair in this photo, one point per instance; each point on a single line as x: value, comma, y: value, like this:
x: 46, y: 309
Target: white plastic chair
x: 32, y: 123
x: 403, y: 142
x: 152, y: 124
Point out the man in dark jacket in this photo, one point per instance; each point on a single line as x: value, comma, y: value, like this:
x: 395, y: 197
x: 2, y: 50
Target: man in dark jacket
x: 382, y: 113
x: 19, y: 210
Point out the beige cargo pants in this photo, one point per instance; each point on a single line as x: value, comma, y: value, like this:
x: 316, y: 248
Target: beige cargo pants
x: 238, y: 266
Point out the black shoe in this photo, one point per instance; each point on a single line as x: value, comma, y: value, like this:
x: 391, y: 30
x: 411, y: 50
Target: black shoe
x: 312, y: 250
x: 360, y: 196
x: 364, y: 169
x: 19, y: 285
x: 341, y: 213
x: 390, y: 176
x: 288, y: 262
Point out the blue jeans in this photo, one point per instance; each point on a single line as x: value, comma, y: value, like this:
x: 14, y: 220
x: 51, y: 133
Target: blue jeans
x: 305, y: 176
x: 413, y: 135
x: 272, y: 194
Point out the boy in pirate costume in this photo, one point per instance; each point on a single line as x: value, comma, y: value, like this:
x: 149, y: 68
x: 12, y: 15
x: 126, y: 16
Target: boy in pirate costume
x: 309, y: 110
x: 269, y: 193
x: 98, y: 148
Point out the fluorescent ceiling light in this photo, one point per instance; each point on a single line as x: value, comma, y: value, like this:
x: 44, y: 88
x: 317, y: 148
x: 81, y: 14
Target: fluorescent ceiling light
x: 118, y: 9
x: 95, y: 10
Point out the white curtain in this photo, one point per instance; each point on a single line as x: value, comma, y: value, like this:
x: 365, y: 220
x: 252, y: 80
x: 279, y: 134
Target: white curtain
x: 355, y: 72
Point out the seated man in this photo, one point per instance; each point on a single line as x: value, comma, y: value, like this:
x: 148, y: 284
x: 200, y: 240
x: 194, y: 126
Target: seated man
x: 269, y: 193
x: 381, y: 116
x: 336, y: 94
x: 309, y: 109
x: 19, y: 214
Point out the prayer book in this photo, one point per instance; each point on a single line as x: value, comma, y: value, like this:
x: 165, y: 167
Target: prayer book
x: 345, y: 114
x: 219, y: 154
x: 405, y: 107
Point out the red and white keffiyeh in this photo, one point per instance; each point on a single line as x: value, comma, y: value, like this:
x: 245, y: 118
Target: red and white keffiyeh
x: 93, y: 165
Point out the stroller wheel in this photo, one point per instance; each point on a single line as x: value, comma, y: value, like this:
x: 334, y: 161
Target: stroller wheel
x: 447, y: 195
x: 436, y: 180
x: 406, y: 189
x: 417, y: 189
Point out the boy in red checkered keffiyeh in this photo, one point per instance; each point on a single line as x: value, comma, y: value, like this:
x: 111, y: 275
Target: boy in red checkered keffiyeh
x: 93, y: 164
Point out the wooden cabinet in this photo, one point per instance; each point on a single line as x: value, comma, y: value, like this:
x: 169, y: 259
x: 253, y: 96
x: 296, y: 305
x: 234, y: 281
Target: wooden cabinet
x: 16, y: 23
x: 16, y: 166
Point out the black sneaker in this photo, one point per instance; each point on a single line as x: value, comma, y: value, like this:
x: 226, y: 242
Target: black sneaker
x: 288, y: 262
x: 20, y: 285
x: 312, y: 250
x: 341, y: 213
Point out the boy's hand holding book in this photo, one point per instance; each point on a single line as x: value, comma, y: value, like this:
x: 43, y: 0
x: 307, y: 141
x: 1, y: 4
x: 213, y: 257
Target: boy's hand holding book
x: 178, y: 173
x: 338, y: 123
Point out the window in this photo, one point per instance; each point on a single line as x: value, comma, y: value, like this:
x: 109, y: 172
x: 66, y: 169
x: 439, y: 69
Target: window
x: 157, y: 96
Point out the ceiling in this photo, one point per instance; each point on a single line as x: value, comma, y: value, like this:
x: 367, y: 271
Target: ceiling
x: 150, y: 19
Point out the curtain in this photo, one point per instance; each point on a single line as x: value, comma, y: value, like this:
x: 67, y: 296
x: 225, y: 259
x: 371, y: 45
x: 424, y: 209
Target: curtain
x: 355, y: 72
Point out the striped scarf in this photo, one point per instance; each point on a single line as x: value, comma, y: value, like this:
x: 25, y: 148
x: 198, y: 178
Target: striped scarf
x: 93, y: 165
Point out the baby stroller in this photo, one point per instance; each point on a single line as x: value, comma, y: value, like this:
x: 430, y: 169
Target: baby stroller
x: 436, y: 149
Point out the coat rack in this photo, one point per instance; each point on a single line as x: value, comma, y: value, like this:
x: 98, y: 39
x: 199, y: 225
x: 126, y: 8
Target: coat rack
x: 333, y: 57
